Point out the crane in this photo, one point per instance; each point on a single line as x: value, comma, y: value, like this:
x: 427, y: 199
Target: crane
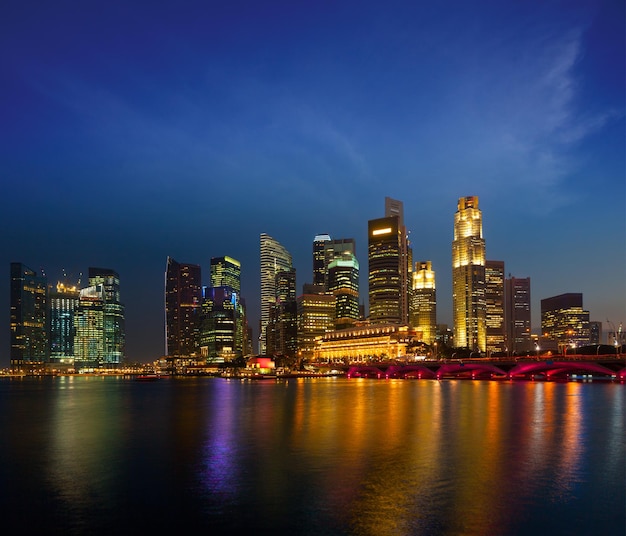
x: 617, y: 335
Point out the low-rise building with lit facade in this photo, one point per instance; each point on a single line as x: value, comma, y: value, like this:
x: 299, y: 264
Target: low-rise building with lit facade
x: 564, y: 320
x: 369, y: 342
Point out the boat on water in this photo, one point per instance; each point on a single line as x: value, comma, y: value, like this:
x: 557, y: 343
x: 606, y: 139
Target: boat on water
x: 147, y: 377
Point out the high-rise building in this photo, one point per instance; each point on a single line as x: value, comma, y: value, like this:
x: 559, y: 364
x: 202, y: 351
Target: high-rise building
x: 274, y: 258
x: 423, y: 312
x: 395, y: 208
x: 226, y: 272
x: 333, y: 249
x: 28, y: 319
x: 595, y: 332
x: 517, y: 299
x: 384, y: 275
x: 114, y: 324
x: 220, y: 338
x: 89, y: 322
x: 282, y: 329
x: 183, y: 299
x: 63, y: 301
x: 494, y: 303
x: 316, y: 316
x: 343, y: 283
x: 319, y: 266
x: 468, y: 276
x: 564, y: 320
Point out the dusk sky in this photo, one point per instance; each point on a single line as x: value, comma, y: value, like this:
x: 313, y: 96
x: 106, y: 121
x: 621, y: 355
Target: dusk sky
x: 131, y: 131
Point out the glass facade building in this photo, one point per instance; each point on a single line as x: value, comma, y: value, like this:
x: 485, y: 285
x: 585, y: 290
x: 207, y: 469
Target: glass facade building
x: 64, y: 300
x: 423, y: 312
x: 468, y: 277
x: 28, y: 317
x: 89, y: 322
x: 114, y: 324
x: 343, y: 283
x: 518, y: 321
x: 319, y: 264
x: 384, y: 277
x: 563, y: 320
x: 226, y: 272
x: 183, y: 302
x: 494, y: 303
x: 274, y: 258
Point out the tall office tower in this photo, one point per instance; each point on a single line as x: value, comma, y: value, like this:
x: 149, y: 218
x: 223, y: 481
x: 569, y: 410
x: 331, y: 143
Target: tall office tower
x: 274, y: 258
x: 28, y: 319
x: 517, y: 299
x: 316, y: 316
x: 226, y: 272
x: 564, y: 320
x: 63, y: 303
x: 595, y: 332
x: 423, y: 316
x: 395, y: 208
x: 319, y: 266
x: 220, y: 338
x: 343, y: 283
x: 468, y: 276
x: 385, y: 287
x: 114, y: 324
x: 333, y: 249
x: 282, y: 330
x: 494, y: 302
x: 183, y: 300
x: 89, y: 322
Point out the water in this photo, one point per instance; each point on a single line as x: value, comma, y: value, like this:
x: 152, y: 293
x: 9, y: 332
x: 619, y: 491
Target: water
x: 97, y: 455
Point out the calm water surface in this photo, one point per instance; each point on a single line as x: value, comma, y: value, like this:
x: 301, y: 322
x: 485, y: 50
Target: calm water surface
x: 93, y: 455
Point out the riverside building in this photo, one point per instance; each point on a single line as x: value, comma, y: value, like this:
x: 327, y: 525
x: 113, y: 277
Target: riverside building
x: 468, y: 277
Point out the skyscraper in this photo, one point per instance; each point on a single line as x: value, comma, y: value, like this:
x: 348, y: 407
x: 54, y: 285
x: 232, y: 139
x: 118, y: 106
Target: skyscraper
x: 389, y: 257
x: 28, y: 319
x: 494, y: 306
x: 423, y: 316
x: 114, y: 324
x: 517, y: 299
x: 219, y: 335
x: 183, y: 297
x: 63, y: 300
x: 564, y: 320
x: 316, y: 316
x: 384, y: 271
x: 274, y: 258
x: 226, y: 272
x: 343, y: 283
x: 468, y: 276
x: 89, y: 340
x: 282, y: 329
x: 319, y: 266
x: 393, y: 207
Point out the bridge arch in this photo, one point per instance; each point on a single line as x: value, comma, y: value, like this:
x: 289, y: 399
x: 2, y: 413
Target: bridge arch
x: 553, y: 368
x: 400, y: 371
x: 473, y: 369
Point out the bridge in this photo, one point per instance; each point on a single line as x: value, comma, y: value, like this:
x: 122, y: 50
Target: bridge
x: 528, y: 368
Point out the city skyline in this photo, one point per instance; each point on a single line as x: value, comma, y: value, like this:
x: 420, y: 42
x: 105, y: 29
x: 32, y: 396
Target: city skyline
x: 121, y: 147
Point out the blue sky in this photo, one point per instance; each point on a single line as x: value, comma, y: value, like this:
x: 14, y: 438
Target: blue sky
x: 136, y: 130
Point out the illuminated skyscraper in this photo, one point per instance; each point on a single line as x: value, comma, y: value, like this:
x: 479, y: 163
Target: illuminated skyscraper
x: 63, y: 300
x: 334, y: 249
x: 220, y: 320
x: 564, y: 320
x: 28, y: 319
x: 468, y: 276
x: 389, y: 257
x: 114, y: 324
x: 393, y: 207
x: 183, y: 297
x: 494, y: 303
x: 423, y: 316
x: 319, y: 266
x: 343, y: 283
x: 226, y: 272
x: 274, y: 258
x: 282, y: 329
x: 89, y: 341
x: 517, y: 297
x: 316, y: 316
